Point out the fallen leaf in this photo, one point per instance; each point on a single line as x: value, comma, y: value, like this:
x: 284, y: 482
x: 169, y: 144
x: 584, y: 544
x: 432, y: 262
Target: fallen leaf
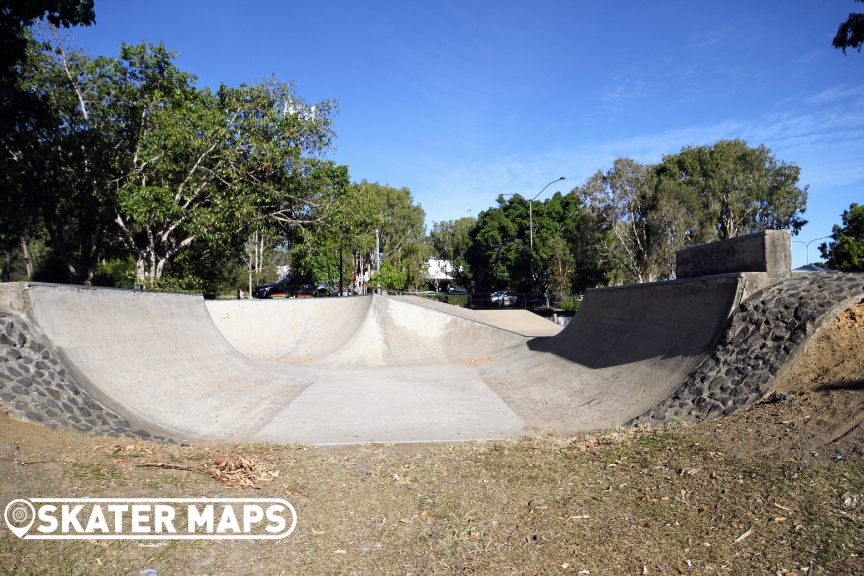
x: 744, y: 535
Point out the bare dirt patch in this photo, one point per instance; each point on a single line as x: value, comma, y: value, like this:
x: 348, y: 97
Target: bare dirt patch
x: 817, y: 411
x: 758, y: 493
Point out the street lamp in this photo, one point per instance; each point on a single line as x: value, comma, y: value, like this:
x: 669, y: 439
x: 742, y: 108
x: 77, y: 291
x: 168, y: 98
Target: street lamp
x: 531, y: 211
x: 807, y: 244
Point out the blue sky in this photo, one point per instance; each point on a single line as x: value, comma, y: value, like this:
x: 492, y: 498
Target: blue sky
x: 460, y: 101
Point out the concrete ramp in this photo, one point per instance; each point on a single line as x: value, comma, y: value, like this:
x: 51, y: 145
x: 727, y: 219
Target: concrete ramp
x: 628, y: 347
x: 159, y: 360
x: 519, y: 321
x: 357, y: 332
x: 376, y: 369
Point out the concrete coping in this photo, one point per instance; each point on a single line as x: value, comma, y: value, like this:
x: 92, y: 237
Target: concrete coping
x: 769, y: 251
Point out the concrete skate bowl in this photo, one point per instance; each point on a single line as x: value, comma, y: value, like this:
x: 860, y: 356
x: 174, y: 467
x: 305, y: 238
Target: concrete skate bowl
x: 369, y: 369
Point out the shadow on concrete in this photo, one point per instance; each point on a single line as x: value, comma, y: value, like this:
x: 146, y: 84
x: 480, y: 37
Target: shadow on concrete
x: 627, y: 324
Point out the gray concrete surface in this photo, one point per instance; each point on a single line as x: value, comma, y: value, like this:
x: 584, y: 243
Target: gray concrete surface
x: 375, y: 369
x: 627, y: 347
x: 769, y: 251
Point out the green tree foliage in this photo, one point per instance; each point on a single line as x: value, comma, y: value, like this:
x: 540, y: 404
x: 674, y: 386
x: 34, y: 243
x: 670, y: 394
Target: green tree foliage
x: 645, y: 213
x: 850, y: 34
x: 16, y: 17
x: 638, y: 245
x: 349, y: 229
x: 499, y: 254
x: 449, y: 241
x: 139, y: 161
x: 23, y: 114
x: 846, y: 250
x: 735, y: 189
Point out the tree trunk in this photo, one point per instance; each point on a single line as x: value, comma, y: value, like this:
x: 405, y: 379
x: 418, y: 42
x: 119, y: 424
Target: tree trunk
x: 25, y: 252
x: 7, y: 264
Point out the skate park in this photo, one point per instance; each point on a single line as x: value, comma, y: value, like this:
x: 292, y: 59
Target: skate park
x: 401, y: 369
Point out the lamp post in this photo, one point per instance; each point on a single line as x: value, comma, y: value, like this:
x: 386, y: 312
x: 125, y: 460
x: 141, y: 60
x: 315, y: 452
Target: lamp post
x: 531, y: 211
x: 807, y: 244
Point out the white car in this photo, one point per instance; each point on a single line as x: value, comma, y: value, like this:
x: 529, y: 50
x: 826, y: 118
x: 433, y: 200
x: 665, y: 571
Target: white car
x: 504, y: 298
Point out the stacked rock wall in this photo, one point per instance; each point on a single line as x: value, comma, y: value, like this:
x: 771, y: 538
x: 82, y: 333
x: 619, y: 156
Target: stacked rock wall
x: 761, y: 340
x: 35, y: 387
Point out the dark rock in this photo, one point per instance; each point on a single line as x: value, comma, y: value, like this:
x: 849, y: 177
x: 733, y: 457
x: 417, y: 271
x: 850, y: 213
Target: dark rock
x: 34, y: 417
x: 91, y: 404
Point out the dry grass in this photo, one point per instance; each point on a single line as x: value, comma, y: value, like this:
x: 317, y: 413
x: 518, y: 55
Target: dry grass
x: 640, y: 502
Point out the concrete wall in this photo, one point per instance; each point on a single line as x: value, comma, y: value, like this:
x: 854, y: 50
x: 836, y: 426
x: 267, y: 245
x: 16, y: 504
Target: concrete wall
x: 769, y: 251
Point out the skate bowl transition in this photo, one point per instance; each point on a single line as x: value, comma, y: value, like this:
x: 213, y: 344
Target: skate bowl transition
x: 403, y: 369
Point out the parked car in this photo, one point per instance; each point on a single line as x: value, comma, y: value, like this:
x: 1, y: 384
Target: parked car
x: 302, y: 291
x: 276, y: 290
x: 504, y: 298
x: 285, y: 288
x: 327, y: 290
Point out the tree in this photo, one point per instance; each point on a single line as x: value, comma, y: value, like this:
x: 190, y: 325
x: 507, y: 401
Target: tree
x: 449, y: 241
x: 209, y: 167
x: 625, y: 199
x: 850, y: 34
x: 401, y: 235
x: 499, y: 253
x: 16, y: 17
x: 347, y: 236
x: 22, y: 113
x: 562, y: 266
x: 138, y: 160
x: 846, y: 250
x: 735, y: 189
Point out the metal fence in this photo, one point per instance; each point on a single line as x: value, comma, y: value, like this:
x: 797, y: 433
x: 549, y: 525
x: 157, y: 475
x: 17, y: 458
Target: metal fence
x: 504, y: 300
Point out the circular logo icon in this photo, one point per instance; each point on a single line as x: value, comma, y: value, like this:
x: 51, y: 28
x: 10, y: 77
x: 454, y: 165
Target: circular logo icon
x: 19, y: 515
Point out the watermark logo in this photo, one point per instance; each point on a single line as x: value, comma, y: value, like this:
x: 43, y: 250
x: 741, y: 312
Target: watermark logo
x: 150, y: 518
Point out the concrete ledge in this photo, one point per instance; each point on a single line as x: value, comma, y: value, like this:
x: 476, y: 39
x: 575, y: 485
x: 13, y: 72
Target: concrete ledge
x: 769, y: 252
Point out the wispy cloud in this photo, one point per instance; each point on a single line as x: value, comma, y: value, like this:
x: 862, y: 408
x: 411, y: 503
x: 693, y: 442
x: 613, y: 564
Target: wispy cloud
x: 833, y: 94
x: 826, y: 141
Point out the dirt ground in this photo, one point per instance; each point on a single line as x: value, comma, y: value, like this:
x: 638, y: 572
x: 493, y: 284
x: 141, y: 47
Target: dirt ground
x: 816, y: 411
x: 774, y: 490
